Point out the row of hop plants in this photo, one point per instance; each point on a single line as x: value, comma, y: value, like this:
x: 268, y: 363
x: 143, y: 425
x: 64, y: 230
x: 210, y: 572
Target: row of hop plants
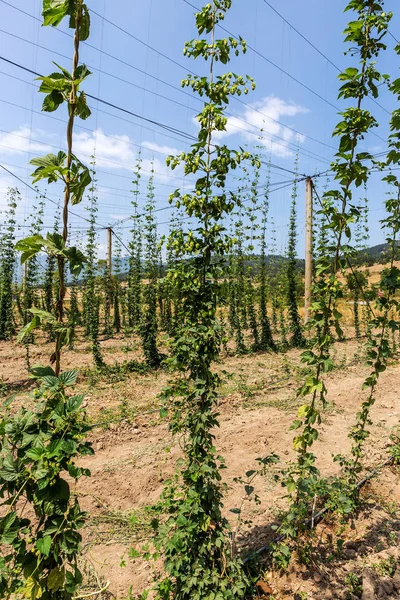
x: 195, y: 538
x: 260, y: 296
x: 208, y: 279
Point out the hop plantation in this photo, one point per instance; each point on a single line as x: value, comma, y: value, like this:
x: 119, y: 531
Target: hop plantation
x: 175, y: 422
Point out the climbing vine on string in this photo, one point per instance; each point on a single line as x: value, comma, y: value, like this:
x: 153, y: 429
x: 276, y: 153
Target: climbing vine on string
x: 39, y: 448
x: 302, y: 478
x: 194, y: 538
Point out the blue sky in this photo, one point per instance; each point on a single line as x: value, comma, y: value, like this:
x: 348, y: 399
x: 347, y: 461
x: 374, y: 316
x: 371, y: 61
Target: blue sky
x: 141, y: 73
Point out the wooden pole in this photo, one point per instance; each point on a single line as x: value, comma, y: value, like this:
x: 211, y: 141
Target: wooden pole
x: 308, y: 256
x: 109, y: 250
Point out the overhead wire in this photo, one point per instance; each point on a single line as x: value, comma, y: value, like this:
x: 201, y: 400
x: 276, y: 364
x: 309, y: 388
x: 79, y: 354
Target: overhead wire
x: 141, y: 146
x: 179, y: 132
x: 173, y: 61
x: 40, y: 193
x: 101, y: 186
x: 258, y: 134
x: 128, y: 33
x: 192, y: 137
x: 318, y: 50
x: 249, y: 47
x: 106, y: 159
x: 285, y: 185
x: 181, y: 66
x: 268, y: 60
x: 169, y: 207
x: 12, y: 76
x: 161, y: 209
x: 300, y: 34
x: 158, y: 79
x: 111, y: 104
x: 127, y: 191
x: 120, y: 241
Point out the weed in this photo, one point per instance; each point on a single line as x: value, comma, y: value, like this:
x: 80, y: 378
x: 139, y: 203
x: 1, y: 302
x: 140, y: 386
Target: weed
x: 246, y: 390
x: 395, y: 448
x: 385, y: 567
x: 4, y: 388
x: 393, y: 538
x: 301, y: 596
x: 354, y: 584
x: 121, y: 526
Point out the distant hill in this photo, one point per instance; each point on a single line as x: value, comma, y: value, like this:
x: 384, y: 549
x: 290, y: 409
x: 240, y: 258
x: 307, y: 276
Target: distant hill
x: 275, y: 262
x: 376, y: 250
x: 376, y: 254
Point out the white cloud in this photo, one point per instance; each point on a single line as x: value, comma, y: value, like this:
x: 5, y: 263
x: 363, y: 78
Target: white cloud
x: 111, y: 151
x: 167, y: 150
x: 19, y: 141
x: 114, y: 151
x: 263, y: 127
x: 118, y: 152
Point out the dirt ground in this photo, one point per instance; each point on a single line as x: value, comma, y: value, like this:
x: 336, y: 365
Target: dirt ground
x: 135, y: 454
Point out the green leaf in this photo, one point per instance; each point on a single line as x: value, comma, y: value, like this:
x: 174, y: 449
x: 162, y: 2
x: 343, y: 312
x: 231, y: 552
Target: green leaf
x: 8, y: 401
x: 28, y: 328
x: 44, y: 545
x: 54, y: 11
x: 80, y: 181
x: 35, y: 453
x: 66, y: 74
x: 38, y: 372
x: 84, y: 29
x: 52, y: 101
x: 74, y: 471
x: 32, y: 589
x: 351, y: 72
x: 76, y: 260
x: 43, y: 315
x: 50, y: 382
x: 29, y: 247
x: 68, y: 377
x: 49, y: 160
x: 81, y: 73
x: 40, y: 474
x: 9, y: 528
x: 50, y: 167
x: 55, y: 243
x: 249, y: 489
x: 74, y: 403
x: 69, y: 447
x: 81, y: 107
x: 55, y: 82
x: 56, y: 579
